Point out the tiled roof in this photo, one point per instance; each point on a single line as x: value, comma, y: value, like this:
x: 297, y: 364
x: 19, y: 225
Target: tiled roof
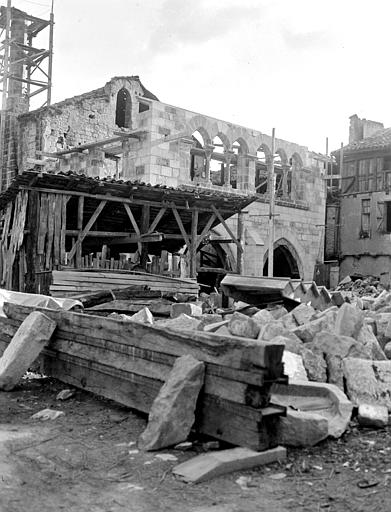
x: 379, y: 140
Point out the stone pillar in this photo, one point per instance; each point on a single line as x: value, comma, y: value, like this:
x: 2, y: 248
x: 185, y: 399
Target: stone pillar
x: 285, y: 174
x: 208, y: 149
x: 185, y: 145
x: 228, y: 154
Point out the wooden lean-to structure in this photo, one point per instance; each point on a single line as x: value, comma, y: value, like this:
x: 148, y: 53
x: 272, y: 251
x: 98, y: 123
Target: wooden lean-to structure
x: 71, y: 221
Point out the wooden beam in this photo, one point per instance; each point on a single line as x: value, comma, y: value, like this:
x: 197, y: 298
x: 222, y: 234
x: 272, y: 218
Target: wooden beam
x: 227, y: 228
x: 124, y: 200
x: 99, y: 234
x: 194, y: 244
x: 206, y: 229
x: 132, y: 219
x: 145, y: 216
x: 157, y: 219
x: 80, y: 213
x: 181, y: 227
x: 89, y: 225
x: 239, y: 252
x: 133, y: 239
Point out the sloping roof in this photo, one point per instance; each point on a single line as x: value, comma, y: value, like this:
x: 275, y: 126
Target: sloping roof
x: 380, y: 140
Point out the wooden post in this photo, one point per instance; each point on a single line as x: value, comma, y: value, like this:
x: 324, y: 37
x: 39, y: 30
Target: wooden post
x: 239, y: 249
x: 144, y: 229
x: 80, y: 213
x: 271, y: 186
x: 193, y: 244
x: 32, y: 259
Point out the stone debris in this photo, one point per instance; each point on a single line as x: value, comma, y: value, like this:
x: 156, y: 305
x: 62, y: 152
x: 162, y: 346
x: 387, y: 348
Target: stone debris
x: 144, y: 316
x: 47, y: 414
x: 182, y: 322
x: 65, y: 394
x: 26, y: 345
x: 243, y: 326
x: 368, y: 382
x: 301, y: 428
x: 293, y: 366
x: 185, y: 308
x: 303, y: 313
x: 172, y: 413
x: 375, y: 416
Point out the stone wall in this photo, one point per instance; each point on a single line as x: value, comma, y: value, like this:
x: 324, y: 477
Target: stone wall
x: 91, y: 117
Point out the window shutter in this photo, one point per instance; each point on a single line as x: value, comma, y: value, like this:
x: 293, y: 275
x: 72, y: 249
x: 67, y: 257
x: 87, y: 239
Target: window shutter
x: 380, y: 217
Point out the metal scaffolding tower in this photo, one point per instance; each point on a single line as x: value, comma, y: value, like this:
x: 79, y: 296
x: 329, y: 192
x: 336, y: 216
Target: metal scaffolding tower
x: 25, y: 72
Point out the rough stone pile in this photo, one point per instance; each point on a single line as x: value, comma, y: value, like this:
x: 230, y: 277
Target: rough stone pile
x: 360, y: 287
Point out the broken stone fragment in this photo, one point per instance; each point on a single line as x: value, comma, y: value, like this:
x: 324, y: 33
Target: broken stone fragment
x: 185, y: 308
x: 387, y: 350
x: 292, y: 343
x: 209, y: 319
x: 278, y: 312
x: 214, y: 326
x: 369, y: 340
x: 263, y: 317
x: 293, y: 366
x: 375, y: 416
x: 368, y: 382
x: 349, y: 321
x: 306, y: 332
x: 180, y: 323
x: 32, y: 336
x: 382, y: 323
x: 144, y: 316
x: 315, y: 365
x: 172, y: 412
x: 301, y: 428
x: 244, y: 326
x: 303, y: 313
x: 47, y: 414
x: 288, y: 321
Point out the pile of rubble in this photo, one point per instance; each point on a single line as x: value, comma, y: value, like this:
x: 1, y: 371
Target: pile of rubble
x: 353, y: 286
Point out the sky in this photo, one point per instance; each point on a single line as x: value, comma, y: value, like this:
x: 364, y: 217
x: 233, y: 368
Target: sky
x: 300, y: 66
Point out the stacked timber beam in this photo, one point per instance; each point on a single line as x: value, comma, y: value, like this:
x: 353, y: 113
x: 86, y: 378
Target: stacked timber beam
x: 128, y: 362
x: 72, y: 282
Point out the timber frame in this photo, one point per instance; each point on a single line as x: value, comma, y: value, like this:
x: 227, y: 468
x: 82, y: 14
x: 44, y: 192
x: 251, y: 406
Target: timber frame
x: 52, y: 221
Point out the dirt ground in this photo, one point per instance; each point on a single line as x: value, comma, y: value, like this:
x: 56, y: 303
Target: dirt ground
x: 86, y: 460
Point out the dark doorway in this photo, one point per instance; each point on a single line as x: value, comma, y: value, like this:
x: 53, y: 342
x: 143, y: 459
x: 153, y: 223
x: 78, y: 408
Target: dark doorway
x: 285, y: 264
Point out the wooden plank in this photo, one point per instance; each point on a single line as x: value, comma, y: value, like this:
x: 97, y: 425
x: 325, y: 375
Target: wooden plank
x: 238, y: 353
x: 88, y: 226
x: 206, y: 229
x: 57, y: 230
x: 43, y: 223
x: 143, y: 248
x: 80, y: 216
x: 50, y: 232
x: 193, y: 244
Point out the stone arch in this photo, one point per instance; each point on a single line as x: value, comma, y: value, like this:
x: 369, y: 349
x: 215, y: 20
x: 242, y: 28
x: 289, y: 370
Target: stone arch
x: 242, y: 144
x: 200, y: 123
x: 283, y: 156
x: 296, y: 162
x: 224, y: 139
x: 123, y: 109
x: 261, y: 169
x: 289, y: 263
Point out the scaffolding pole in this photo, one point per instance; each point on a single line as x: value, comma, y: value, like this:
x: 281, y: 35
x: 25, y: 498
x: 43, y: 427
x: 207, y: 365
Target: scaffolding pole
x: 271, y: 187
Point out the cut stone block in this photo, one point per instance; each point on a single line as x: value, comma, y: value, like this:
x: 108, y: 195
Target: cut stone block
x: 278, y: 312
x: 26, y: 345
x: 263, y: 317
x: 349, y: 321
x: 382, y: 322
x: 144, y: 316
x: 384, y: 299
x: 375, y: 416
x: 244, y: 326
x: 209, y: 319
x: 315, y: 365
x: 172, y: 412
x: 323, y: 399
x: 288, y: 321
x: 210, y: 465
x: 292, y: 343
x: 334, y: 348
x: 369, y: 340
x: 326, y: 322
x: 368, y: 382
x: 293, y: 366
x: 303, y: 313
x: 180, y: 323
x: 185, y: 308
x: 300, y: 428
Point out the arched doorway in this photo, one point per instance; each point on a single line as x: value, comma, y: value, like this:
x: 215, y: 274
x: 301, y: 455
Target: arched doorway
x: 123, y: 110
x: 286, y: 261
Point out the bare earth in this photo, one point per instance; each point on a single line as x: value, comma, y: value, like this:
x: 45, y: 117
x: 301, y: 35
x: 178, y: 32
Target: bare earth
x: 83, y: 462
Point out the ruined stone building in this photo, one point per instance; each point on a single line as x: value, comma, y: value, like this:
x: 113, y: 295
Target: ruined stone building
x: 365, y: 204
x: 122, y: 132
